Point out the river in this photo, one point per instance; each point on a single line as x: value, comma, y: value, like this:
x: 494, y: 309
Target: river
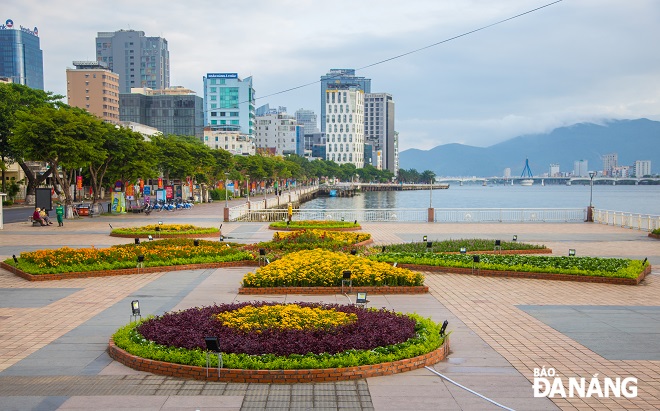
x: 634, y: 199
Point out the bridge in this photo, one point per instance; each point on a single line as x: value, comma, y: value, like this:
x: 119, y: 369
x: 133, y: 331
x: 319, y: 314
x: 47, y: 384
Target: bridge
x: 550, y: 180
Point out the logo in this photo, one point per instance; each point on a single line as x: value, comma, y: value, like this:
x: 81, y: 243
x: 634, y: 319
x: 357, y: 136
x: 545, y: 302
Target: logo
x: 222, y: 75
x: 554, y: 387
x: 9, y: 23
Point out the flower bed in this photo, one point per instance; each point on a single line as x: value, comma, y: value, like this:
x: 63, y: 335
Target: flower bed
x: 472, y: 245
x: 322, y: 268
x: 168, y: 252
x: 371, y: 337
x: 315, y: 224
x: 571, y: 266
x: 285, y: 242
x: 165, y: 231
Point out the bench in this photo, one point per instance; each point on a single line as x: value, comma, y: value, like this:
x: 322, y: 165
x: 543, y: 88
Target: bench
x: 34, y: 222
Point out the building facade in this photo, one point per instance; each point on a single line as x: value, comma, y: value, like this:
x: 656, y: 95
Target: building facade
x: 176, y: 110
x: 139, y: 60
x: 21, y: 57
x: 235, y: 142
x: 91, y: 86
x: 554, y: 170
x: 642, y: 168
x: 340, y: 79
x: 229, y: 103
x: 277, y: 133
x: 581, y: 168
x: 379, y: 130
x: 610, y: 161
x: 345, y: 125
x: 308, y: 119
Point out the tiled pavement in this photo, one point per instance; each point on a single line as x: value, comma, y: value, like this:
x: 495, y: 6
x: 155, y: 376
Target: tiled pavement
x: 53, y: 335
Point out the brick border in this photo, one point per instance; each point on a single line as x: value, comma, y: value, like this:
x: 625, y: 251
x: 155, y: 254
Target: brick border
x: 277, y: 376
x: 525, y: 274
x: 510, y: 252
x: 383, y: 289
x: 125, y: 271
x: 160, y: 235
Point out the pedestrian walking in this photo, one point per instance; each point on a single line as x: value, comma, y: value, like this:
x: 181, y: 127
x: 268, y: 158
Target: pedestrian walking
x: 59, y: 211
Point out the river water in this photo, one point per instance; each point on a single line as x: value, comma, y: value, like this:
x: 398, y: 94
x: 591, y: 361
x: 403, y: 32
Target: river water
x: 634, y: 199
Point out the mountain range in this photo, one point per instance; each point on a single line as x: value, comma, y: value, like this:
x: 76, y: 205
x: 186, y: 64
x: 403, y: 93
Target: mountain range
x: 631, y: 139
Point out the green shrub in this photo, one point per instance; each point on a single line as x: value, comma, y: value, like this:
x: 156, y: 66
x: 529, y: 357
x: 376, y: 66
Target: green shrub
x: 454, y: 246
x: 656, y: 231
x: 311, y: 224
x: 588, y: 266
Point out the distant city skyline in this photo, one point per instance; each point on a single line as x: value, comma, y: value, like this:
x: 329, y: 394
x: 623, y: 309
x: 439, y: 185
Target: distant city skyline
x: 570, y: 62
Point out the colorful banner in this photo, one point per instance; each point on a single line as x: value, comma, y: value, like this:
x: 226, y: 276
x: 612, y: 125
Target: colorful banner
x: 160, y: 182
x: 118, y: 203
x: 79, y: 182
x: 169, y: 192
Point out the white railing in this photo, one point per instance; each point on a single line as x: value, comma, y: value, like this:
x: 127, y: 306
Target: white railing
x: 644, y: 222
x: 442, y: 215
x: 510, y: 215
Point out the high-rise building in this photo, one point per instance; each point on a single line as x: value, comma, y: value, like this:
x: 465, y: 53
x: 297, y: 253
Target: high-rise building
x: 93, y: 87
x: 229, y: 103
x: 139, y: 60
x: 581, y: 168
x: 340, y: 79
x: 345, y: 125
x: 278, y: 133
x: 642, y: 168
x: 307, y: 118
x: 610, y: 161
x: 554, y: 170
x: 379, y: 129
x: 176, y: 110
x: 21, y: 58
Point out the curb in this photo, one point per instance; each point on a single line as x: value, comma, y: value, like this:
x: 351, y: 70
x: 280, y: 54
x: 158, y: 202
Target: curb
x: 313, y: 228
x: 525, y: 274
x: 383, y: 289
x: 160, y: 235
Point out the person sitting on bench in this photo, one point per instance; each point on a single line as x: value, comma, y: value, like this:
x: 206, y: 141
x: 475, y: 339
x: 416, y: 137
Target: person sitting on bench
x: 36, y: 216
x: 44, y: 216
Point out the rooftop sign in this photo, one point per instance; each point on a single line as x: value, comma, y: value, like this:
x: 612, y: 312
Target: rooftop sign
x: 222, y: 75
x: 9, y: 24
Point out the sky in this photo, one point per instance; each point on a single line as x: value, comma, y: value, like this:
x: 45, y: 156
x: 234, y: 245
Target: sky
x: 570, y: 62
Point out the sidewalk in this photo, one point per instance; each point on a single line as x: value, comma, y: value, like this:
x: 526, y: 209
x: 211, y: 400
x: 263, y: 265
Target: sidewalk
x: 53, y: 335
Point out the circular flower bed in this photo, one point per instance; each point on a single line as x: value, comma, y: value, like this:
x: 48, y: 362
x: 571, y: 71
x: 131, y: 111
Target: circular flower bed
x: 322, y: 268
x: 259, y: 336
x: 165, y: 230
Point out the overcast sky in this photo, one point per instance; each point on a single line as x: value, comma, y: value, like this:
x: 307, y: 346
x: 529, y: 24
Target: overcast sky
x: 574, y: 61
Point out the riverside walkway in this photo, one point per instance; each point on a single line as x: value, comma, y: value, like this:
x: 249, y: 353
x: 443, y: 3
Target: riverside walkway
x: 53, y: 335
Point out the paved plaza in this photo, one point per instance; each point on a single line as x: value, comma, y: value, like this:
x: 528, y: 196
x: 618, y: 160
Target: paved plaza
x: 53, y: 335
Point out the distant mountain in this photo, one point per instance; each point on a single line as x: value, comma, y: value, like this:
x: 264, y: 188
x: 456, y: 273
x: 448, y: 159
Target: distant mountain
x: 630, y: 139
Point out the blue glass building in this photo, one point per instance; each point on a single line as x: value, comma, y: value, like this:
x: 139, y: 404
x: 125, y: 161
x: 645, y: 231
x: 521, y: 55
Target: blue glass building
x: 21, y: 58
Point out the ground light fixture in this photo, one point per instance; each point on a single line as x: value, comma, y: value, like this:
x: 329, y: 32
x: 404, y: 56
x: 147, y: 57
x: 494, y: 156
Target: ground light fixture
x: 382, y: 250
x: 135, y: 310
x: 475, y: 260
x: 212, y: 346
x: 361, y: 299
x: 353, y: 251
x: 571, y: 252
x: 137, y: 241
x: 140, y: 262
x: 16, y: 259
x: 515, y: 238
x: 150, y: 238
x: 443, y: 329
x: 196, y: 243
x: 346, y: 280
x: 498, y: 246
x: 110, y: 225
x: 425, y: 238
x: 463, y: 250
x: 643, y: 262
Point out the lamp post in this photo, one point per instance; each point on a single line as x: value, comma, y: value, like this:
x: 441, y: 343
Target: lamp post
x: 431, y: 194
x: 247, y: 186
x: 590, y: 213
x: 226, y: 189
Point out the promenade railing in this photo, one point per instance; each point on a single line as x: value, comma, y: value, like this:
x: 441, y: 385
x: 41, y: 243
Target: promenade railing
x: 442, y: 215
x: 635, y: 221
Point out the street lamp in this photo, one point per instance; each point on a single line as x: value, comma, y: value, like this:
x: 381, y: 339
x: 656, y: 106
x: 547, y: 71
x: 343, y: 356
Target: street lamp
x: 592, y: 174
x: 431, y: 194
x: 226, y: 189
x: 247, y: 186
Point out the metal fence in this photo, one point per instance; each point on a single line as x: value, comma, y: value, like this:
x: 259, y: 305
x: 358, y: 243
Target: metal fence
x: 510, y: 215
x: 442, y: 215
x: 643, y: 222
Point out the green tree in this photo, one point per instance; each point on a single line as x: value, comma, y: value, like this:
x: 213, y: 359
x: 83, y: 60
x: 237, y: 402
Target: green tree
x: 67, y: 138
x: 15, y: 98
